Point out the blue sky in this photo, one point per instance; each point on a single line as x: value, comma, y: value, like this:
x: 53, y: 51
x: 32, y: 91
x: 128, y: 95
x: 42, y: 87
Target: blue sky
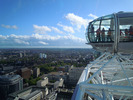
x: 52, y: 22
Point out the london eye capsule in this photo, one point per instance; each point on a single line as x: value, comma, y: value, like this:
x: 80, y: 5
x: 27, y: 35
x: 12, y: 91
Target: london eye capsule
x: 112, y: 33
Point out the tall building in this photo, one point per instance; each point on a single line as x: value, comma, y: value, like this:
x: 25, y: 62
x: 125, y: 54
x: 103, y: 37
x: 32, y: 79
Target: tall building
x: 21, y: 55
x: 25, y: 73
x: 36, y: 72
x: 10, y: 84
x: 43, y: 55
x: 74, y: 74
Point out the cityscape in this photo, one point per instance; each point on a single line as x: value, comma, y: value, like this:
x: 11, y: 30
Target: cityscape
x: 49, y: 73
x: 66, y: 50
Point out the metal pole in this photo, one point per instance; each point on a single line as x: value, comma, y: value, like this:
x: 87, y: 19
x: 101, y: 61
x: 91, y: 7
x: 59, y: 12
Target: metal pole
x: 116, y: 34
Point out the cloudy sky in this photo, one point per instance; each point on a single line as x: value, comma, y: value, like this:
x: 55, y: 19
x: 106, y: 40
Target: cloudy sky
x: 48, y: 23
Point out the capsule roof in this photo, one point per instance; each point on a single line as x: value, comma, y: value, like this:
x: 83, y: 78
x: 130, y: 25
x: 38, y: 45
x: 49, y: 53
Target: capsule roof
x: 119, y: 15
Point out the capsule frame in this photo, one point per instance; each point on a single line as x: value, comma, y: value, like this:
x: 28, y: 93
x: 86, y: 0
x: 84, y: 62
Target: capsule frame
x: 113, y: 33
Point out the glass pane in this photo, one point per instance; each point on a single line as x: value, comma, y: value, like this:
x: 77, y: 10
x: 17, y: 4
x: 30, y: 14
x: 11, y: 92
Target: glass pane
x: 96, y: 25
x: 107, y: 30
x: 92, y: 28
x: 126, y: 29
x: 101, y: 30
x: 105, y: 24
x: 108, y: 17
x: 92, y: 32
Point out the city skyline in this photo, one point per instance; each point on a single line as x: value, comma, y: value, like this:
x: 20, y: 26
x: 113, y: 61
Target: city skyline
x: 52, y: 23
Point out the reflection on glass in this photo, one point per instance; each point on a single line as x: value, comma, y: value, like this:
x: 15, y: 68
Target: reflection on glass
x: 126, y: 29
x: 101, y: 30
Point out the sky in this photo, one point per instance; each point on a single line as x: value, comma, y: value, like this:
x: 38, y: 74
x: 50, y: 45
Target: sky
x: 52, y: 23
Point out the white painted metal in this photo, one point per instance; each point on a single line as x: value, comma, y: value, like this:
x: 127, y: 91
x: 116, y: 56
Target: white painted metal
x: 110, y: 77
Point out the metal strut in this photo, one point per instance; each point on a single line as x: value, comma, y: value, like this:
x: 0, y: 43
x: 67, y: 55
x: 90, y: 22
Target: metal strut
x: 109, y: 77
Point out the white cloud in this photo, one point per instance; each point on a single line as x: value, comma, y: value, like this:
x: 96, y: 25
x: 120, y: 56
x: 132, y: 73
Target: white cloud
x: 20, y: 36
x: 57, y: 30
x: 74, y: 38
x: 93, y: 16
x: 38, y: 39
x: 14, y: 27
x: 77, y: 20
x: 9, y: 26
x: 44, y: 43
x: 21, y: 41
x: 48, y: 37
x: 3, y: 37
x: 41, y: 29
x: 37, y: 36
x: 66, y: 28
x: 45, y: 37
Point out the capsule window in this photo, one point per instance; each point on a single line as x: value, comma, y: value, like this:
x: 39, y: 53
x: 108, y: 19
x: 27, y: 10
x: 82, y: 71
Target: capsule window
x: 101, y: 30
x: 91, y: 34
x: 126, y: 29
x: 107, y: 30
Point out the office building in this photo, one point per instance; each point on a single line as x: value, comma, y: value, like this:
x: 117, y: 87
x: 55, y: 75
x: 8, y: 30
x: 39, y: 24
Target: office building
x: 25, y: 73
x: 36, y: 72
x: 43, y: 82
x: 30, y: 93
x: 10, y: 84
x: 74, y: 74
x: 43, y: 55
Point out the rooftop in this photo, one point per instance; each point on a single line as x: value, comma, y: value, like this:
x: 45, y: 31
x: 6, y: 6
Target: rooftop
x: 9, y: 78
x: 27, y: 92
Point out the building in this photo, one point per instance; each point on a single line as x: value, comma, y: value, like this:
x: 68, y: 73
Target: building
x: 51, y: 96
x: 57, y: 84
x: 68, y: 68
x: 25, y: 73
x: 30, y: 93
x: 7, y: 68
x: 57, y: 76
x: 65, y: 68
x: 4, y: 69
x: 64, y: 95
x: 43, y: 82
x: 10, y: 84
x: 21, y: 55
x: 43, y: 55
x: 74, y: 74
x: 36, y: 72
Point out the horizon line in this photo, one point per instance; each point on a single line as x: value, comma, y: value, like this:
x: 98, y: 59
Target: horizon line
x: 13, y: 47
